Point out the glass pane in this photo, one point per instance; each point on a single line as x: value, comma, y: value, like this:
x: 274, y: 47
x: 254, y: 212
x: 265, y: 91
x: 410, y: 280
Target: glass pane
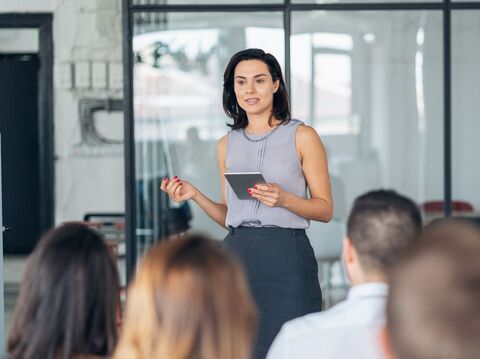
x: 465, y: 110
x: 204, y: 2
x: 178, y: 76
x: 371, y: 84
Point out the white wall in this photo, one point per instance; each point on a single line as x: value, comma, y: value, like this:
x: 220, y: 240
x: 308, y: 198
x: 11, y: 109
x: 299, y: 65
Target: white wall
x: 27, y: 5
x: 87, y: 178
x: 18, y: 41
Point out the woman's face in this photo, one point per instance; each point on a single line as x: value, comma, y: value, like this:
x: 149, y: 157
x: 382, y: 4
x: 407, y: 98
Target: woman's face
x: 254, y: 87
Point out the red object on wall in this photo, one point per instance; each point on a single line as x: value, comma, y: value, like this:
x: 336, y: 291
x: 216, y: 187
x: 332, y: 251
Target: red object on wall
x: 437, y: 206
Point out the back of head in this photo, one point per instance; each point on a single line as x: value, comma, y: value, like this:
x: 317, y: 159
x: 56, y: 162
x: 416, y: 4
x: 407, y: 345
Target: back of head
x: 68, y: 298
x: 189, y: 300
x: 433, y: 310
x: 381, y: 225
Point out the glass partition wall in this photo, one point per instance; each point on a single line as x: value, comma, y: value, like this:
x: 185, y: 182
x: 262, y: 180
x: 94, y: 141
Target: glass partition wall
x: 465, y: 110
x: 373, y: 78
x: 179, y: 59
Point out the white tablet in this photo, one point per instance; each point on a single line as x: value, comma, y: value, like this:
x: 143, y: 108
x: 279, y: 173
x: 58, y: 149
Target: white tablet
x: 241, y: 181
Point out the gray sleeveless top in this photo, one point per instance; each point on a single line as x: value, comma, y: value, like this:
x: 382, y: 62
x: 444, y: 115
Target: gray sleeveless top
x: 276, y: 158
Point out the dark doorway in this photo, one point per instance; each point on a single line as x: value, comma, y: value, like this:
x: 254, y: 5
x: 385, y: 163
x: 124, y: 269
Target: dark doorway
x: 20, y: 154
x: 39, y: 213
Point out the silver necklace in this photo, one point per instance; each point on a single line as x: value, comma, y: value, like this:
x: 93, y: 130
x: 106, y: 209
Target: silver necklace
x: 258, y: 139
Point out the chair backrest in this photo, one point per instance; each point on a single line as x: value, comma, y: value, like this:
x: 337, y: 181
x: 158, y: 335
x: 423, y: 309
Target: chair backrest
x: 437, y: 206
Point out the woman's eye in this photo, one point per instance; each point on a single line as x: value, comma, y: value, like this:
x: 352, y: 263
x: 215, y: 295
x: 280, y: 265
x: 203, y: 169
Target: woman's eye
x: 260, y: 81
x: 240, y: 83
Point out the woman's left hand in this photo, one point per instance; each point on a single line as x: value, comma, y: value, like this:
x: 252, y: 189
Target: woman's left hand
x: 270, y: 194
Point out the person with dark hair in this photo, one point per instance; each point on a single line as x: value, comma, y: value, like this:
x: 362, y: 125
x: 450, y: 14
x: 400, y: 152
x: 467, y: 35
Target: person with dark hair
x: 190, y: 299
x: 267, y: 231
x: 432, y: 308
x: 381, y: 226
x: 68, y: 298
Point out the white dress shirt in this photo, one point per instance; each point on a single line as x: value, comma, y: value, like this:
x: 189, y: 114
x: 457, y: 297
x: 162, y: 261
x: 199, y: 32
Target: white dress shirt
x: 348, y: 330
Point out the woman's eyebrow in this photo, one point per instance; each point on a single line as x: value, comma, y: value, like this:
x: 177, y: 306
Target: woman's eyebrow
x: 256, y: 76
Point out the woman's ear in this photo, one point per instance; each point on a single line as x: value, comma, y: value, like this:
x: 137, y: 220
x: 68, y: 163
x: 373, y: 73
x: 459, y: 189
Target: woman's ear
x: 276, y: 85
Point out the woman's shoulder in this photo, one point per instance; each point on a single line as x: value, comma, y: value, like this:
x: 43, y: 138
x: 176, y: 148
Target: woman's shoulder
x: 304, y: 129
x: 222, y: 142
x: 296, y: 122
x: 222, y: 145
x: 290, y: 126
x: 307, y: 131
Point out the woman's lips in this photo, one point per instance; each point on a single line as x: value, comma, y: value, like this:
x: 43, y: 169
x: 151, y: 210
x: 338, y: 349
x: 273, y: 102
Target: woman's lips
x: 252, y: 101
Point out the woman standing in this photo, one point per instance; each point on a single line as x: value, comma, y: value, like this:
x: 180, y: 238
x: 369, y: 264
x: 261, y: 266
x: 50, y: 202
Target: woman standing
x: 268, y: 232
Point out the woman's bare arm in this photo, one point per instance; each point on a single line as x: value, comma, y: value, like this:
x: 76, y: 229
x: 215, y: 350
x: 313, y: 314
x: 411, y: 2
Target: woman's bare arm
x: 319, y: 207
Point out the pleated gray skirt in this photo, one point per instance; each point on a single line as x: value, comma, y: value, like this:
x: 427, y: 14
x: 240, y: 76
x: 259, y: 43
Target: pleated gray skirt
x: 283, y: 276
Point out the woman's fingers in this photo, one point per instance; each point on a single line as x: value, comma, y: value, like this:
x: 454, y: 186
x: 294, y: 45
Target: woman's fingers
x: 263, y: 187
x: 164, y: 183
x: 263, y: 197
x: 176, y: 191
x: 171, y: 190
x: 172, y: 183
x: 269, y: 192
x: 172, y: 187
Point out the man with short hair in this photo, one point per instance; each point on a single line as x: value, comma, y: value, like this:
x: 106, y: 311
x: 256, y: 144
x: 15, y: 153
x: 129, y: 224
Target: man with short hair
x: 433, y: 309
x: 380, y: 226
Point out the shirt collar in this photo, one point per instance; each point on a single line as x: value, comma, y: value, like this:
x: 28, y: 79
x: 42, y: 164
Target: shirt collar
x: 360, y: 291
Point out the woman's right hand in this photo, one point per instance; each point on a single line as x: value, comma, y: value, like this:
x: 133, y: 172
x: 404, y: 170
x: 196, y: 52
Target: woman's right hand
x: 178, y: 190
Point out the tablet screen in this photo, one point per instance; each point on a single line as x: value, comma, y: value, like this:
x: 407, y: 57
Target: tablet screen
x: 241, y: 181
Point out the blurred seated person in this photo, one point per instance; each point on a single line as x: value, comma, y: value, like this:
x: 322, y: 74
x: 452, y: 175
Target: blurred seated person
x: 190, y: 299
x: 68, y: 298
x: 381, y: 225
x: 433, y: 309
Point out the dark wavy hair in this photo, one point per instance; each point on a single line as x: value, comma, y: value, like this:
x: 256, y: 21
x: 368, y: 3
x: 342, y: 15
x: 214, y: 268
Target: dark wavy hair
x: 68, y: 298
x: 281, y: 107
